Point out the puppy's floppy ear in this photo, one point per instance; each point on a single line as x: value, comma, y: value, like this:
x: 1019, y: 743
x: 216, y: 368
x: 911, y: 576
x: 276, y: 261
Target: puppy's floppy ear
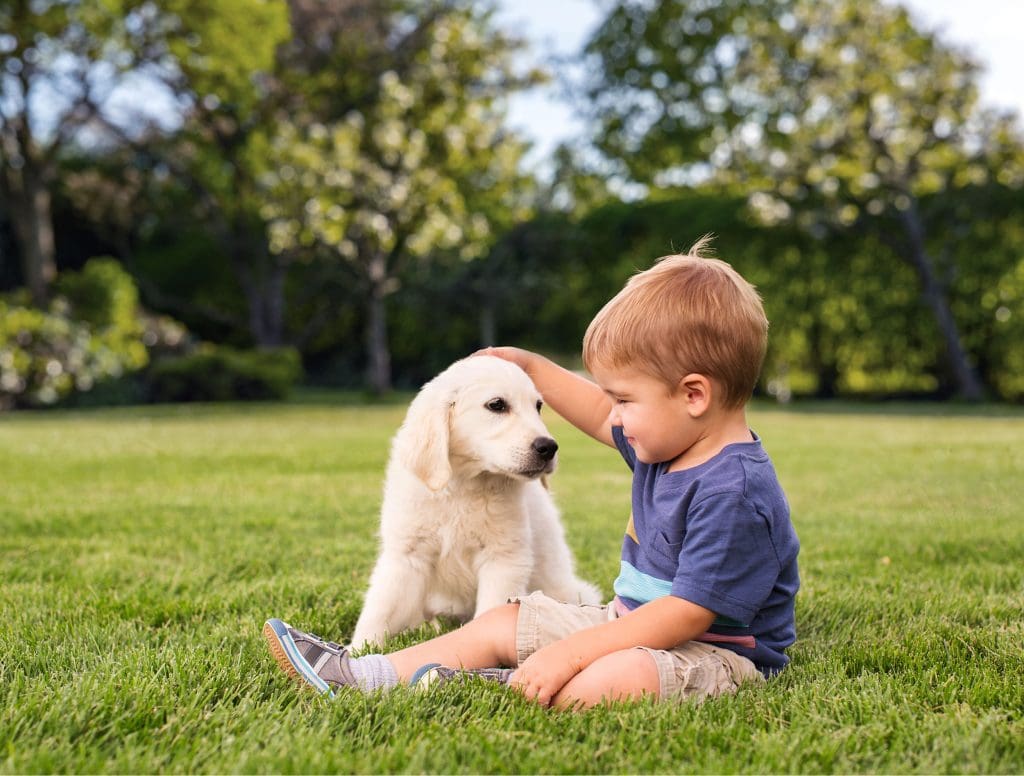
x: 425, y: 436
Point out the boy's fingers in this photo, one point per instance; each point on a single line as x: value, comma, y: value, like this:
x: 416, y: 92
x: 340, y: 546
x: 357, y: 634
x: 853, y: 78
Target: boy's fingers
x: 528, y: 689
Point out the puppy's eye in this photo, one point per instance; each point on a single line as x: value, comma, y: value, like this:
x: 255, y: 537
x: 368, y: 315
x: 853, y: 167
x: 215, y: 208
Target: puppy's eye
x: 539, y: 405
x: 497, y: 405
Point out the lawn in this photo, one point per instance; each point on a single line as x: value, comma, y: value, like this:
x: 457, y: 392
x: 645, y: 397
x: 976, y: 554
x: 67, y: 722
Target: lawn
x: 142, y: 549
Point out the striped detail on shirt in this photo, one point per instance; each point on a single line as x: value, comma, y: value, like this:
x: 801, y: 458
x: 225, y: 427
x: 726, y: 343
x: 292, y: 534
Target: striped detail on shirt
x: 638, y: 586
x: 718, y: 638
x: 621, y: 610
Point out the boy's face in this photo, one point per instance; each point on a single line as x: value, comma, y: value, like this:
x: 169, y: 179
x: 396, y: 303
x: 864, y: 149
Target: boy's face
x: 654, y: 419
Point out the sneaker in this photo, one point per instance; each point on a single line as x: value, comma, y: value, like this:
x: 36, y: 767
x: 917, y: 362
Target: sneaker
x: 435, y: 675
x: 305, y: 656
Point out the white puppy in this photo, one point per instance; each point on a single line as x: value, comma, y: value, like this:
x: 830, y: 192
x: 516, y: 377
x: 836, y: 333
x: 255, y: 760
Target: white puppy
x: 466, y: 521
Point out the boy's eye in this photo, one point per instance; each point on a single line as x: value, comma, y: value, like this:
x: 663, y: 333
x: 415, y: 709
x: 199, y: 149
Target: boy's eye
x: 497, y: 405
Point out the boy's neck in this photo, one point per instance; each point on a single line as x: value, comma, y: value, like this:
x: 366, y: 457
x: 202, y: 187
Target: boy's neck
x: 722, y: 427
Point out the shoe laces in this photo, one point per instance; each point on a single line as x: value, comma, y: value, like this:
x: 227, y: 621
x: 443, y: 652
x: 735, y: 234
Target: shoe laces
x: 332, y: 644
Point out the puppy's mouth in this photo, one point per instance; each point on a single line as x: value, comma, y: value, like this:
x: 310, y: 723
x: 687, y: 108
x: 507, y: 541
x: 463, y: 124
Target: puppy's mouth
x: 537, y: 470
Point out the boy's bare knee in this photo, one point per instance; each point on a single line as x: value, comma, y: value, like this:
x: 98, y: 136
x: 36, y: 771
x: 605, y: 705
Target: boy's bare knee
x: 629, y: 674
x: 501, y: 622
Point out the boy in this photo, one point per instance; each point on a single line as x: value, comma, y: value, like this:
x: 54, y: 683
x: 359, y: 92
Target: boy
x: 708, y: 575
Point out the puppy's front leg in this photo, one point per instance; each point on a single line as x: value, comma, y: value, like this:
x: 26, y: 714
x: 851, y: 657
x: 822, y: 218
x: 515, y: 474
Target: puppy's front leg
x: 395, y: 601
x: 498, y: 580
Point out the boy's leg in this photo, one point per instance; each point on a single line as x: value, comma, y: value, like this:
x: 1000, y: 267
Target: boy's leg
x: 691, y: 670
x: 487, y: 641
x: 629, y: 674
x: 484, y: 642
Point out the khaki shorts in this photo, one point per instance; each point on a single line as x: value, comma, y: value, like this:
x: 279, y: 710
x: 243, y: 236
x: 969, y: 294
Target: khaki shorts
x: 691, y: 670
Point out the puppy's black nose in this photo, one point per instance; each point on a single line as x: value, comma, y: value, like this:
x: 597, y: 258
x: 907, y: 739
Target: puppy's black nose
x: 545, y: 447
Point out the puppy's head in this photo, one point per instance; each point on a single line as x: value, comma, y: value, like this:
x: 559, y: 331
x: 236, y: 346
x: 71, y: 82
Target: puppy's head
x: 481, y: 415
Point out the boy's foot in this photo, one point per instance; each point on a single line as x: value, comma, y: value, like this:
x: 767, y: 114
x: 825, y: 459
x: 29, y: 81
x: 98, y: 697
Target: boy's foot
x: 434, y: 675
x: 309, y: 658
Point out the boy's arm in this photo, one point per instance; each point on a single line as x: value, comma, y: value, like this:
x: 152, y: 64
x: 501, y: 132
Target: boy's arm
x: 660, y: 624
x: 575, y: 398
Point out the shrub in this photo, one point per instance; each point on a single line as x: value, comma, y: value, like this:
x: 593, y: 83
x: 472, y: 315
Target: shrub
x: 44, y: 356
x: 218, y: 373
x: 88, y: 343
x: 102, y: 295
x: 94, y: 343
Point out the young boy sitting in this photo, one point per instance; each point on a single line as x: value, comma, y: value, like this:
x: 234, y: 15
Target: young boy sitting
x: 708, y: 574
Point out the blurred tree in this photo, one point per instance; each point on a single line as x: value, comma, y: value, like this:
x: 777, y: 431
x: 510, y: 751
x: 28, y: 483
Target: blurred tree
x: 979, y: 239
x: 61, y: 65
x: 829, y: 112
x: 419, y: 168
x: 233, y: 69
x: 574, y: 188
x: 838, y: 327
x: 224, y: 60
x: 867, y: 116
x: 659, y: 79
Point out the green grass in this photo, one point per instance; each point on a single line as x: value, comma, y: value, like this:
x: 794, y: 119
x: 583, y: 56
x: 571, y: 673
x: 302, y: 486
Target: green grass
x: 142, y: 549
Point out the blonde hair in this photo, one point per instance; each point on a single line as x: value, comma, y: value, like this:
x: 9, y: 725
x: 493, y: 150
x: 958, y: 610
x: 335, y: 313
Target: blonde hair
x: 687, y: 314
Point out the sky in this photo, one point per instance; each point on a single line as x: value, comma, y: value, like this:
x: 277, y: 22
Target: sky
x: 993, y: 30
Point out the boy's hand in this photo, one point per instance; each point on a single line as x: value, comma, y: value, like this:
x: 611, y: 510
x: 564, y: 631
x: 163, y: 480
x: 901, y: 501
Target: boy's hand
x: 517, y: 356
x: 544, y: 673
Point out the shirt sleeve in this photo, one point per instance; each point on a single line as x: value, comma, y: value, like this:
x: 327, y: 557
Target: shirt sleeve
x: 727, y: 561
x: 625, y: 450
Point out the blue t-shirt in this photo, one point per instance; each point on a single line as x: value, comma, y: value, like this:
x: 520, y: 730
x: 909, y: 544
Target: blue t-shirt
x: 719, y: 536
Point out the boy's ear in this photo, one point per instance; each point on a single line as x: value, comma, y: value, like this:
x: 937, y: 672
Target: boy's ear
x: 696, y: 390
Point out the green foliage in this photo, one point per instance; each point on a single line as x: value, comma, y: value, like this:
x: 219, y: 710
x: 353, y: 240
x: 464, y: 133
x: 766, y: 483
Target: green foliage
x: 658, y: 82
x: 978, y: 239
x: 220, y: 373
x: 226, y: 54
x: 105, y: 298
x: 224, y: 49
x: 184, y: 267
x: 132, y: 602
x: 344, y: 168
x: 846, y: 316
x: 73, y: 57
x: 840, y: 105
x: 830, y: 114
x: 91, y: 333
x: 422, y: 169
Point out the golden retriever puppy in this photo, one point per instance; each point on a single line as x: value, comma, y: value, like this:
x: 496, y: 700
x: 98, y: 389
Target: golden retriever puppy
x: 466, y: 521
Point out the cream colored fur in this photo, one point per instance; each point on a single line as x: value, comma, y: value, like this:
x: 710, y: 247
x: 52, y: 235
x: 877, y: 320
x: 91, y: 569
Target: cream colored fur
x: 466, y: 521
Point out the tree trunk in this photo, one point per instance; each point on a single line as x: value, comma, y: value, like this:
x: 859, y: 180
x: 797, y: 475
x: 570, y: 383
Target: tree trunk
x: 378, y: 371
x: 823, y: 362
x: 32, y: 220
x: 488, y: 324
x: 965, y: 378
x: 275, y: 305
x: 263, y: 285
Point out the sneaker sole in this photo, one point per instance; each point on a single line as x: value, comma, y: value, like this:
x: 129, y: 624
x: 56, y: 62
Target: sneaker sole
x: 429, y: 678
x: 287, y: 655
x: 423, y: 676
